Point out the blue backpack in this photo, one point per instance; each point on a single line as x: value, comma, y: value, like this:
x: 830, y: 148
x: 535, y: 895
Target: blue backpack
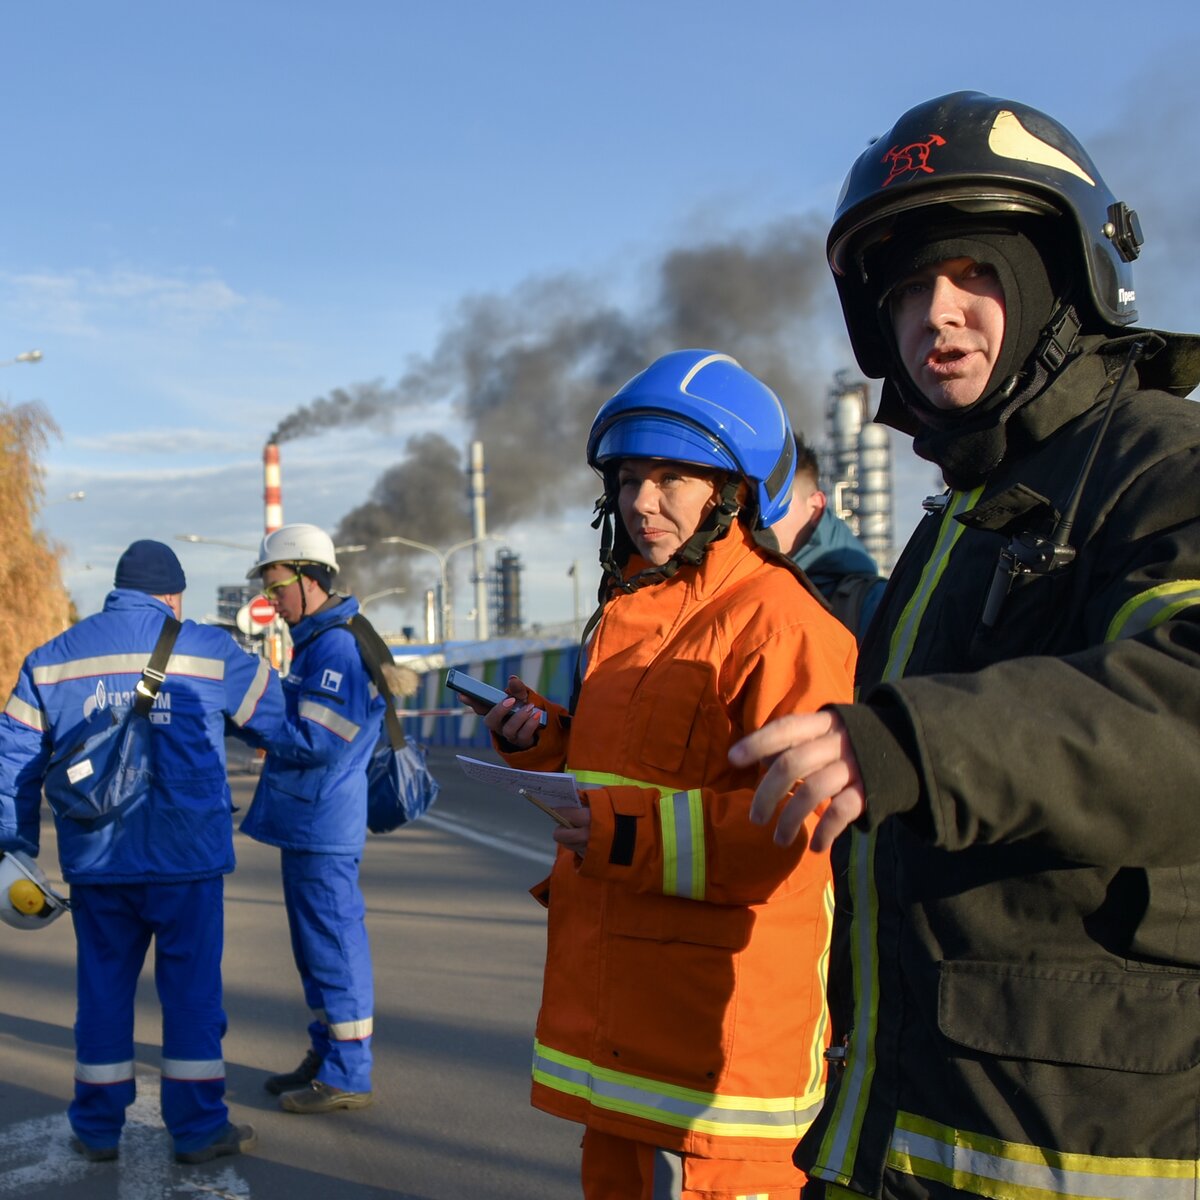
x: 107, y: 770
x: 400, y: 787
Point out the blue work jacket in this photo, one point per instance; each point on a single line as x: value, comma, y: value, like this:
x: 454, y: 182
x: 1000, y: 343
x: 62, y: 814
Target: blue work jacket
x: 313, y: 791
x: 185, y: 829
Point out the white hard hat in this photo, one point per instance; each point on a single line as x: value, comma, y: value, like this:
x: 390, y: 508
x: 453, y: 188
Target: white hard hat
x: 295, y: 544
x: 27, y: 901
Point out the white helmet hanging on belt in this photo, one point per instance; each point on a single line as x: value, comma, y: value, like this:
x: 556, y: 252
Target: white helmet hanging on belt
x: 295, y: 544
x: 27, y: 901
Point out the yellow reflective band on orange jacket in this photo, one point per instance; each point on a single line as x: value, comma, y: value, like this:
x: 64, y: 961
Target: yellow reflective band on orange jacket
x: 681, y: 824
x: 775, y: 1117
x: 1152, y: 607
x: 986, y: 1166
x: 26, y: 713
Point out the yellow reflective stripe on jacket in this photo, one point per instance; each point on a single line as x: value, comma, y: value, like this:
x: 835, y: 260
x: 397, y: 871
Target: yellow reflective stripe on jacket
x: 323, y: 715
x: 776, y: 1117
x: 839, y: 1147
x: 681, y: 822
x: 253, y: 695
x: 27, y: 714
x: 904, y: 636
x: 1002, y: 1170
x: 1152, y: 607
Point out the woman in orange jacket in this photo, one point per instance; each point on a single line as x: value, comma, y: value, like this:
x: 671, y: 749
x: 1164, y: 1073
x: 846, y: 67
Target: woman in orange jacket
x: 683, y: 1017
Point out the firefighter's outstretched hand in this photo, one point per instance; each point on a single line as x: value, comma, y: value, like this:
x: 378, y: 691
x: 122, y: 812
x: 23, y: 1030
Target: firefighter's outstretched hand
x: 810, y: 758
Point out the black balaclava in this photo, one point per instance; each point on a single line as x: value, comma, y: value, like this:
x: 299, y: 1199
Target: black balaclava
x: 968, y: 443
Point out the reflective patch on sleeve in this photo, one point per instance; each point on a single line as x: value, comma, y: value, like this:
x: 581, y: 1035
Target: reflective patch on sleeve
x: 1152, y: 607
x: 27, y: 714
x: 321, y: 715
x: 681, y: 818
x: 253, y: 694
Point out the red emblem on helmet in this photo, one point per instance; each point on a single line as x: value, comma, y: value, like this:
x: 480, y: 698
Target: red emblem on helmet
x: 914, y: 157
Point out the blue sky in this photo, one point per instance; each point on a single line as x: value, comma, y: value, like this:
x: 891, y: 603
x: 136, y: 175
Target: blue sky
x: 216, y: 213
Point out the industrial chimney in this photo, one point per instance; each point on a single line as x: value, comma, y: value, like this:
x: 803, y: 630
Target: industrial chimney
x: 272, y: 495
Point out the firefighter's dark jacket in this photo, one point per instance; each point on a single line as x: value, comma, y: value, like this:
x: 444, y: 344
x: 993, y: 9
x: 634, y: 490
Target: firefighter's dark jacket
x: 1016, y: 975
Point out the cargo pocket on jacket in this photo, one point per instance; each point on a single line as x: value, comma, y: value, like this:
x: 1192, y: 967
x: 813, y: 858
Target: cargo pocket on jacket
x: 671, y: 715
x: 1113, y: 1020
x: 670, y: 987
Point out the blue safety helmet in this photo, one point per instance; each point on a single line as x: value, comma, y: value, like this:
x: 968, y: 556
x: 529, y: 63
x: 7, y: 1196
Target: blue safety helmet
x: 700, y: 407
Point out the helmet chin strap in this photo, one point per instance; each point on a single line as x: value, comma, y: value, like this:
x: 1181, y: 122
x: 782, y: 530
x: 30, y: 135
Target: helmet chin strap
x: 614, y: 554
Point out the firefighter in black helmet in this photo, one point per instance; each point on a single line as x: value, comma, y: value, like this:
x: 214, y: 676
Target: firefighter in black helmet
x: 1015, y: 984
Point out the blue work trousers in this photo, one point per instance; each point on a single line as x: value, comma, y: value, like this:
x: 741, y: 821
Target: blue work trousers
x: 114, y: 924
x: 327, y: 919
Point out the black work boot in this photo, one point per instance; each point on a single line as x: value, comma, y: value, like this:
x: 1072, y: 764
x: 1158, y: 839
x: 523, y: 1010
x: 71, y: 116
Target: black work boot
x: 319, y: 1097
x: 301, y: 1077
x: 233, y: 1139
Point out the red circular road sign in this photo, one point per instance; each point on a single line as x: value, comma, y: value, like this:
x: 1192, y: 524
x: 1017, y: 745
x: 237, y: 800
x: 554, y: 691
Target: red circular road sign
x: 262, y: 611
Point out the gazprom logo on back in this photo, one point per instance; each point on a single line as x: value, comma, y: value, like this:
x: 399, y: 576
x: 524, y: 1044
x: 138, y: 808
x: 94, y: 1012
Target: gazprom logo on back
x: 102, y: 698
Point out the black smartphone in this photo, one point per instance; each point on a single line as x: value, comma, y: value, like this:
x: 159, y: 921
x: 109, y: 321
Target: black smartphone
x: 485, y: 693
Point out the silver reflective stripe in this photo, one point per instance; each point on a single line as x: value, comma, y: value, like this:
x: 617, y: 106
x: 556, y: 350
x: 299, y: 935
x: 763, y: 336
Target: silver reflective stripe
x: 782, y: 1117
x: 351, y: 1031
x: 195, y: 666
x: 682, y: 820
x: 100, y: 664
x: 26, y: 713
x: 1152, y: 607
x: 324, y: 716
x: 193, y: 1068
x: 1012, y: 1171
x: 104, y: 1072
x: 253, y: 694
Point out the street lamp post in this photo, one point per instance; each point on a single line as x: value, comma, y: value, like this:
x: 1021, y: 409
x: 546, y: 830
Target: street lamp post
x: 363, y: 601
x: 445, y: 613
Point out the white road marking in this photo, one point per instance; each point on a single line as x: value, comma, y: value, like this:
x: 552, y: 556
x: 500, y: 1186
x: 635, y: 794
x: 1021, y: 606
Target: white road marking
x: 38, y: 1152
x: 518, y: 849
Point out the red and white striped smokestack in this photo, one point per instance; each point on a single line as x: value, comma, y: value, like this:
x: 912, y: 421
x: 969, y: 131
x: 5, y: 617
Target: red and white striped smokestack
x: 272, y: 494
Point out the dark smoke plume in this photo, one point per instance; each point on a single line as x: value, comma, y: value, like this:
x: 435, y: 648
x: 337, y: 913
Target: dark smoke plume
x: 526, y: 373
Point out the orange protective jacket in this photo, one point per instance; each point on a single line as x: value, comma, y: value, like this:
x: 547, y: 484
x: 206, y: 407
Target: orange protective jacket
x: 683, y: 1001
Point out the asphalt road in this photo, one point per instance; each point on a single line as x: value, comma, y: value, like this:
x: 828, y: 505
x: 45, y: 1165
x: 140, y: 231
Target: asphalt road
x: 457, y: 945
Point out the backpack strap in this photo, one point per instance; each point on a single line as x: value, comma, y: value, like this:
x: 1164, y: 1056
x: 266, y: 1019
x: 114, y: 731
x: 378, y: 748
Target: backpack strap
x: 155, y: 671
x: 374, y: 652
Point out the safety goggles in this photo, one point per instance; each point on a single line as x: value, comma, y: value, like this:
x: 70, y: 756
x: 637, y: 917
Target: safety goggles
x: 270, y: 589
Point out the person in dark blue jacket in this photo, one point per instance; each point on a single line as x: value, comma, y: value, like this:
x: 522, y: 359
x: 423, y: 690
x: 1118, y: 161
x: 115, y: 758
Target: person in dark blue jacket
x: 824, y: 546
x: 312, y: 803
x: 157, y: 872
